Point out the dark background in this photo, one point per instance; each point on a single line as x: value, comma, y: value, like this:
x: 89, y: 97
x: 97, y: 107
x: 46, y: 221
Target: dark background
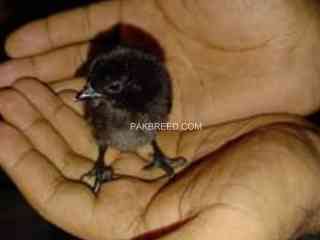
x: 18, y: 221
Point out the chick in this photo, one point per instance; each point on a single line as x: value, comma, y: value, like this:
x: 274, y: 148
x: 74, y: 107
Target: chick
x: 126, y: 87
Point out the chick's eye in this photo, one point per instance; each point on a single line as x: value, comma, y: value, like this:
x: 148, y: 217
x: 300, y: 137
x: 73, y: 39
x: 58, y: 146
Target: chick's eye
x: 114, y: 87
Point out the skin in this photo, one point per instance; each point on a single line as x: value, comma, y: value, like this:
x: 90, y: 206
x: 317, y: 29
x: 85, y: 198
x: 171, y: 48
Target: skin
x: 260, y: 175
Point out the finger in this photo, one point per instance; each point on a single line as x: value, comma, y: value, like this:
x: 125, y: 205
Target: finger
x: 54, y: 66
x: 68, y: 97
x: 62, y: 29
x: 74, y: 84
x: 41, y: 183
x: 67, y: 123
x: 41, y: 134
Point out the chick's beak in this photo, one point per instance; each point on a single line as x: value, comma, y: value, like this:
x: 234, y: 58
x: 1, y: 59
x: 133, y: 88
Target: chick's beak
x: 87, y: 93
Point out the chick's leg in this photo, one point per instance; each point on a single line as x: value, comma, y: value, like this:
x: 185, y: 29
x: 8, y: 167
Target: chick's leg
x: 160, y: 160
x: 100, y: 173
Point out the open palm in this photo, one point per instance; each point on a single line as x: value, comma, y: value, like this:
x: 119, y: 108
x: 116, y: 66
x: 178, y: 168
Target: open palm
x: 46, y: 146
x: 227, y: 60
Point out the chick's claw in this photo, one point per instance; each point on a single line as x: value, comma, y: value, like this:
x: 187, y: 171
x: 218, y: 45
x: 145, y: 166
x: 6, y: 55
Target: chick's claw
x: 97, y: 176
x: 166, y: 164
x: 160, y: 160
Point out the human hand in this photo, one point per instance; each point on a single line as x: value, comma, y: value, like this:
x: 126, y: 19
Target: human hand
x: 260, y: 186
x: 228, y: 60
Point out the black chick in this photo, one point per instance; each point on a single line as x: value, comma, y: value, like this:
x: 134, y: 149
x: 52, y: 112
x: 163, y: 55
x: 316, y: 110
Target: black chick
x: 126, y: 86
